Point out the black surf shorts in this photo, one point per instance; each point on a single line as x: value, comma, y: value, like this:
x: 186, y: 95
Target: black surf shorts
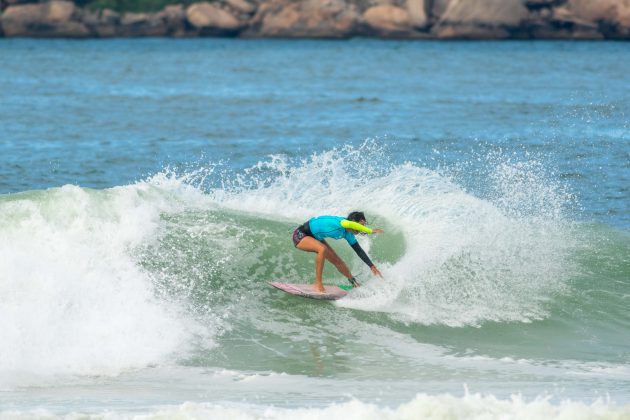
x: 298, y: 235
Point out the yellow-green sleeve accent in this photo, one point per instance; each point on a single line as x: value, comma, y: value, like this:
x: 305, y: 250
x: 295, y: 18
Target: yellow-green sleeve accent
x: 347, y: 224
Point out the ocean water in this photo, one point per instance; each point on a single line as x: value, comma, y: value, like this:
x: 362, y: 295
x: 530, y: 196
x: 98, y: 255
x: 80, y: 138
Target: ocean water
x: 149, y: 189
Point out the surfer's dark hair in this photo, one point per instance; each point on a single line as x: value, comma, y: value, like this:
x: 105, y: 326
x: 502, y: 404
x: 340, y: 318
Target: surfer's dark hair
x: 356, y: 216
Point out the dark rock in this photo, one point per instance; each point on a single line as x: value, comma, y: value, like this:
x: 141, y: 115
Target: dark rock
x: 174, y: 17
x: 103, y: 23
x: 542, y: 4
x: 142, y: 24
x: 550, y: 32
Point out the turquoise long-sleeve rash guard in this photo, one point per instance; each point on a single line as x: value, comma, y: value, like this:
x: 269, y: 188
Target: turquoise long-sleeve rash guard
x: 334, y: 227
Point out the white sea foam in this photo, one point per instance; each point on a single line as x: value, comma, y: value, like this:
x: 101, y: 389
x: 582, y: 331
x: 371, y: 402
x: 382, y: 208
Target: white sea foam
x: 423, y: 406
x: 74, y: 301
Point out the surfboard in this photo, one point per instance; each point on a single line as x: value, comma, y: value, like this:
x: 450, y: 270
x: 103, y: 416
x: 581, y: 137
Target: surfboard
x: 308, y: 291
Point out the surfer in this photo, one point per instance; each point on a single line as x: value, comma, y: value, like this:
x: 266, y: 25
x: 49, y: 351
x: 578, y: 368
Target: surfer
x: 311, y: 237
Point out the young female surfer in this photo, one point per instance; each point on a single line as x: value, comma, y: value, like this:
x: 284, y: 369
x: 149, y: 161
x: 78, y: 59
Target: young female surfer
x: 311, y: 237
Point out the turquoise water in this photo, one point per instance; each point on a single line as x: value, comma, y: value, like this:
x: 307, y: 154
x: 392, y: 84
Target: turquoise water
x: 149, y: 189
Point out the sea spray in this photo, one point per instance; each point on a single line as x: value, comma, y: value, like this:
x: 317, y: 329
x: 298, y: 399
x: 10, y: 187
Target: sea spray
x: 467, y: 260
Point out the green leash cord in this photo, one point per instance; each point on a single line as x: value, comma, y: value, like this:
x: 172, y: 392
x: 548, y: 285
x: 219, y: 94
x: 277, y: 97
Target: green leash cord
x: 353, y: 283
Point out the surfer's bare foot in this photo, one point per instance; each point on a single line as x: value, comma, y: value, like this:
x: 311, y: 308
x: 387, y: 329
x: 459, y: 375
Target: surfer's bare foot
x: 319, y: 288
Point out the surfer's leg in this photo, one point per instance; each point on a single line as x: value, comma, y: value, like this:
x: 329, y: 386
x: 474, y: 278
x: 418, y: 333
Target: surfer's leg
x: 310, y: 244
x: 341, y: 266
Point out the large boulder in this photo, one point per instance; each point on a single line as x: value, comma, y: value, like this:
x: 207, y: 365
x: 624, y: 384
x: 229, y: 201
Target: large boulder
x: 210, y: 19
x: 56, y: 18
x: 388, y: 20
x: 417, y: 13
x: 305, y: 19
x: 613, y: 16
x: 480, y: 18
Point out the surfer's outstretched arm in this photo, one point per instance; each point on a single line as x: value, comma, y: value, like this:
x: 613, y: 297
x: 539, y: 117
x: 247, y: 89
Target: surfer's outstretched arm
x: 361, y: 253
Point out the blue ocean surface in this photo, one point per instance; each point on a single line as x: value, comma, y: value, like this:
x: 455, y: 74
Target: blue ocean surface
x: 149, y: 189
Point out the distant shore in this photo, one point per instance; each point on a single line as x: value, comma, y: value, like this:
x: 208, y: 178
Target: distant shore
x: 336, y: 19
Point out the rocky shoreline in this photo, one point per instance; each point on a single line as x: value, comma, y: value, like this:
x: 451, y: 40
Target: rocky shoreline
x: 398, y: 19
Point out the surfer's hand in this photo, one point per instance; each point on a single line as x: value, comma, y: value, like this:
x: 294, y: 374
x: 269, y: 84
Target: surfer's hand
x: 378, y: 231
x: 375, y: 271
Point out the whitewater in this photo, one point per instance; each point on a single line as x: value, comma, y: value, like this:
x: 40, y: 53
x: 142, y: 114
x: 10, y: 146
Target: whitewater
x: 169, y: 274
x: 131, y: 291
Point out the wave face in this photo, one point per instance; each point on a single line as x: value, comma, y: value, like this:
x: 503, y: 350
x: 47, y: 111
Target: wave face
x: 173, y: 269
